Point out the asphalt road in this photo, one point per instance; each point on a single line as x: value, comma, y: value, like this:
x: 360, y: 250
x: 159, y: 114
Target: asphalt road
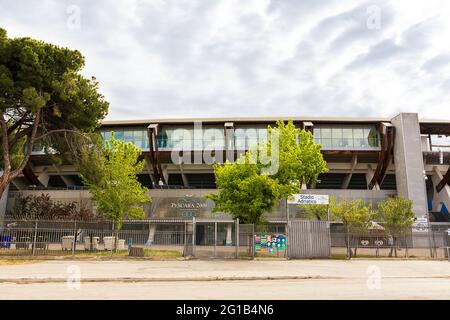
x: 303, y: 279
x: 258, y: 289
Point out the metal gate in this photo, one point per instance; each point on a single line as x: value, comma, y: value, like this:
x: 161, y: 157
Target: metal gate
x: 207, y: 239
x: 309, y: 239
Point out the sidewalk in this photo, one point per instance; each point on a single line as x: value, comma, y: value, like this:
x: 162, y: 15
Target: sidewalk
x: 216, y: 270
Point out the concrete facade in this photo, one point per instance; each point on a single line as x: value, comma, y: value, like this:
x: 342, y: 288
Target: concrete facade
x: 408, y: 159
x: 352, y: 148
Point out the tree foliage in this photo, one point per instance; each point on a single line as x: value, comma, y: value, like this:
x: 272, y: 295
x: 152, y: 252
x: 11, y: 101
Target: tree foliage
x: 43, y: 97
x: 355, y: 215
x: 314, y: 211
x: 42, y: 207
x: 396, y: 215
x: 300, y: 158
x: 243, y: 191
x: 247, y: 189
x: 115, y: 190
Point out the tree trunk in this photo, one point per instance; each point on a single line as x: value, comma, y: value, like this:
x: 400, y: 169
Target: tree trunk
x: 116, y: 236
x: 3, y: 184
x: 9, y: 175
x: 395, y: 246
x: 348, y: 244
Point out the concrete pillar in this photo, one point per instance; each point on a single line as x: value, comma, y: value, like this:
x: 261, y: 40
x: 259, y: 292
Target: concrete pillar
x: 348, y: 177
x: 68, y: 181
x: 443, y: 197
x: 151, y: 234
x: 229, y: 241
x: 150, y: 170
x: 369, y: 176
x: 19, y: 183
x: 408, y: 159
x: 184, y: 177
x: 229, y: 141
x: 43, y: 178
x: 165, y: 174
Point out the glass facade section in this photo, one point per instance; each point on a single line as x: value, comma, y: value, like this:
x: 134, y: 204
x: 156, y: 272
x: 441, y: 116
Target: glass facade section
x: 138, y: 136
x: 188, y: 138
x: 246, y: 137
x: 347, y: 137
x: 440, y: 142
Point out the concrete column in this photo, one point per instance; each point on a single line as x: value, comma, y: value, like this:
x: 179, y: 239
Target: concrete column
x: 443, y: 197
x: 229, y: 241
x: 369, y: 176
x: 43, y: 178
x: 229, y: 141
x: 151, y: 234
x: 165, y: 174
x: 408, y: 159
x: 19, y: 183
x: 184, y: 177
x: 348, y: 177
x: 67, y: 180
x: 150, y: 170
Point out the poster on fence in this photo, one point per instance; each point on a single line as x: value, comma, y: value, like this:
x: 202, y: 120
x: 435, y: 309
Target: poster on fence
x: 270, y: 242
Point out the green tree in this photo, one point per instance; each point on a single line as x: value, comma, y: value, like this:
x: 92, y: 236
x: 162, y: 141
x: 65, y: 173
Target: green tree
x: 300, y: 158
x: 316, y: 211
x: 397, y: 217
x: 269, y: 172
x: 116, y: 192
x: 243, y: 191
x: 43, y: 97
x: 356, y: 217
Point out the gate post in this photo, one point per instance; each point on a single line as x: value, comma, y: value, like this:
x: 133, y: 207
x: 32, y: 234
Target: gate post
x: 74, y: 237
x: 237, y: 238
x: 193, y: 236
x: 288, y: 247
x: 253, y: 241
x: 34, y: 237
x: 215, y: 238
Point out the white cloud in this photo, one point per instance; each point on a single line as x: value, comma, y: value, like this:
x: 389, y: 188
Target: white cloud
x: 259, y: 57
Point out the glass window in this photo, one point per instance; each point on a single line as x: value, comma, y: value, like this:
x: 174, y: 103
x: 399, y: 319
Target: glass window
x: 118, y: 135
x: 316, y: 132
x: 346, y: 136
x: 347, y: 133
x: 325, y: 133
x: 336, y: 133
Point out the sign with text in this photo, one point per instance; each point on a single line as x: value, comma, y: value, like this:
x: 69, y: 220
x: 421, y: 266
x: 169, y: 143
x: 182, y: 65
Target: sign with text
x: 302, y: 198
x: 420, y: 225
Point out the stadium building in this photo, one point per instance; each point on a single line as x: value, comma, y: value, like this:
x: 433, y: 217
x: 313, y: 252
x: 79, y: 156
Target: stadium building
x: 367, y: 158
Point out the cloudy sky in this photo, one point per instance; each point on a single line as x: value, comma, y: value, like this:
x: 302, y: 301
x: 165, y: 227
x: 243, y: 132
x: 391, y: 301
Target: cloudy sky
x: 161, y: 58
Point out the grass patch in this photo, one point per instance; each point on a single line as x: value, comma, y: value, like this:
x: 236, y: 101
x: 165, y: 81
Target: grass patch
x: 12, y: 262
x: 265, y: 254
x: 120, y: 253
x: 162, y: 254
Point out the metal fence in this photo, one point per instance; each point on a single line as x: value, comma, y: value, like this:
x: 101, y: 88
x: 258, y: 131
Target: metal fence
x: 215, y: 239
x: 431, y: 243
x: 202, y: 239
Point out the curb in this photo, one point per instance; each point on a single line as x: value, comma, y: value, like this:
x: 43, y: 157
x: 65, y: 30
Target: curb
x: 201, y: 279
x: 163, y: 279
